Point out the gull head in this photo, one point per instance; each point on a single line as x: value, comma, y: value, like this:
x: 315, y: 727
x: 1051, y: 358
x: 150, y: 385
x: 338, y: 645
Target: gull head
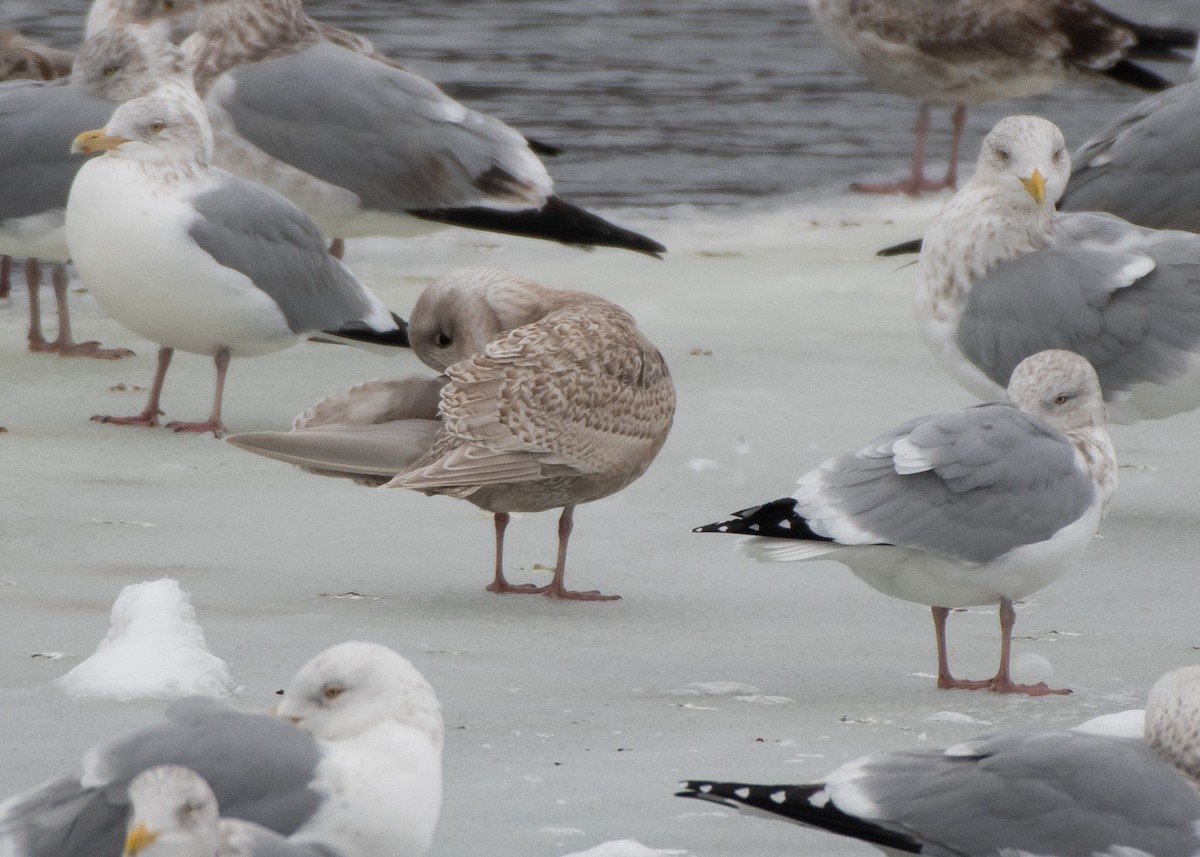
x: 1060, y: 387
x: 152, y: 129
x: 173, y: 812
x: 351, y: 688
x: 172, y: 19
x: 1173, y: 719
x: 1025, y: 157
x: 122, y: 63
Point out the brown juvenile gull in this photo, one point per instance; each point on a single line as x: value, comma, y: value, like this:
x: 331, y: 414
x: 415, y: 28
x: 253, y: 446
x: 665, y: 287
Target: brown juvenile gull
x: 550, y: 398
x: 195, y: 258
x: 25, y: 59
x: 1003, y: 276
x: 1060, y: 794
x: 960, y: 53
x: 350, y: 766
x: 983, y: 505
x: 37, y: 122
x: 1144, y: 166
x: 393, y: 153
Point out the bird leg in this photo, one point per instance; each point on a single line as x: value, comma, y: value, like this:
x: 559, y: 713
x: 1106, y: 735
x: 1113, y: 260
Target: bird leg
x: 5, y: 276
x: 33, y: 281
x: 64, y: 343
x: 499, y: 584
x: 916, y: 183
x: 337, y: 248
x: 149, y: 415
x: 1000, y: 683
x: 213, y: 423
x: 556, y: 589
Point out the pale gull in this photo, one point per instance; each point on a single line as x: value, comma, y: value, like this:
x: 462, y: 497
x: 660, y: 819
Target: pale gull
x: 174, y: 813
x: 195, y: 258
x: 364, y: 147
x: 979, y: 506
x: 1002, y: 276
x: 1144, y: 166
x: 550, y: 398
x: 37, y: 123
x: 350, y: 766
x: 970, y: 52
x: 1055, y: 794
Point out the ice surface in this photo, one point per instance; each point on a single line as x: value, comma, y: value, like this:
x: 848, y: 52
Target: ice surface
x: 154, y: 648
x: 786, y: 337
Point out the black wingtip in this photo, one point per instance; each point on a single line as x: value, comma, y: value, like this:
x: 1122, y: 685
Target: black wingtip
x: 540, y: 147
x: 777, y: 519
x: 358, y: 332
x: 557, y: 220
x: 1135, y: 75
x: 904, y: 248
x: 1162, y: 43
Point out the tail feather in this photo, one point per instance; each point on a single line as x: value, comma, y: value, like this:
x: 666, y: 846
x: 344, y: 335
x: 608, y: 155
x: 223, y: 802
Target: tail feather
x: 808, y: 805
x: 777, y: 519
x: 557, y: 220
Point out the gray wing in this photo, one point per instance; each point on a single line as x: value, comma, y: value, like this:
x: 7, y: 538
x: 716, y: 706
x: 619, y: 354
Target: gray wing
x: 243, y: 839
x: 254, y: 230
x: 1096, y: 300
x: 1144, y: 166
x: 38, y: 121
x: 387, y: 135
x: 258, y: 766
x: 996, y: 478
x: 1061, y: 793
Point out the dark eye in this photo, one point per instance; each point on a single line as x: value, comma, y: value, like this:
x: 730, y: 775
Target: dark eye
x: 157, y: 125
x: 1059, y: 154
x: 168, y: 5
x: 444, y: 339
x: 189, y: 808
x: 1061, y: 399
x: 331, y: 692
x: 110, y: 70
x: 1002, y: 154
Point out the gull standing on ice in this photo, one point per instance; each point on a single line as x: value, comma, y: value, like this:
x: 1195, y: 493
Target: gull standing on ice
x: 195, y: 258
x: 1065, y: 794
x: 550, y: 398
x: 352, y: 765
x: 984, y: 505
x: 37, y: 123
x: 960, y: 53
x: 364, y: 147
x: 1144, y: 166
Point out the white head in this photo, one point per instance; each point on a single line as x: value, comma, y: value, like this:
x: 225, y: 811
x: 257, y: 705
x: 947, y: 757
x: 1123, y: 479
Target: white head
x: 1026, y: 158
x: 464, y: 310
x: 1060, y: 387
x: 173, y: 814
x: 350, y: 688
x: 152, y: 129
x: 1173, y: 719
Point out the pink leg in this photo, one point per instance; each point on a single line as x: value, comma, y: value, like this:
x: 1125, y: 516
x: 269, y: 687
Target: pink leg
x: 1002, y: 682
x: 213, y: 423
x: 5, y: 276
x: 337, y: 248
x: 916, y: 183
x: 64, y: 344
x: 556, y: 589
x: 33, y: 281
x: 149, y: 415
x: 499, y: 584
x: 959, y: 124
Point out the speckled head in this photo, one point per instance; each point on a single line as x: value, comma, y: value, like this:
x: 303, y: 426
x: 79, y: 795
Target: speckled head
x: 1026, y: 156
x: 1060, y: 387
x: 1173, y: 719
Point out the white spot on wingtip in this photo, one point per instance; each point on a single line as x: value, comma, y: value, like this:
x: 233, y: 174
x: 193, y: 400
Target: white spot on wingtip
x: 779, y: 796
x: 743, y: 793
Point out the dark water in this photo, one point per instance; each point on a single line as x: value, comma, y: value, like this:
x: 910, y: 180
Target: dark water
x: 661, y: 102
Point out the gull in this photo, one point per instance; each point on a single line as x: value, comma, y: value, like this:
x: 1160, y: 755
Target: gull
x: 983, y: 505
x: 1143, y: 166
x: 37, y: 122
x: 548, y: 398
x: 1059, y: 794
x: 393, y: 153
x: 174, y: 813
x: 171, y: 19
x: 1002, y: 276
x: 968, y: 52
x: 25, y: 59
x: 195, y: 258
x: 351, y: 766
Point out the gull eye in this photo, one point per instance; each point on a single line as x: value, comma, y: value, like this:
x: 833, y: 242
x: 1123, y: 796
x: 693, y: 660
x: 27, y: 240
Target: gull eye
x: 157, y: 125
x: 1061, y: 399
x: 190, y: 807
x: 110, y: 70
x: 1002, y: 154
x: 444, y: 339
x: 168, y: 5
x: 331, y: 692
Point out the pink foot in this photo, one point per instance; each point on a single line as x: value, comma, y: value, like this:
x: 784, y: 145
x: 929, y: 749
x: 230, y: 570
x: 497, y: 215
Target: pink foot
x: 571, y: 595
x: 147, y: 419
x: 909, y: 186
x: 999, y: 685
x: 89, y: 349
x: 215, y: 426
x: 503, y: 587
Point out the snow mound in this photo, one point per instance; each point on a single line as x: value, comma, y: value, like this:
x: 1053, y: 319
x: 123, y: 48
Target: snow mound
x: 154, y: 648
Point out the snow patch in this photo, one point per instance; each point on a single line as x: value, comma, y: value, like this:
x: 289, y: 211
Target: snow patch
x: 628, y: 848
